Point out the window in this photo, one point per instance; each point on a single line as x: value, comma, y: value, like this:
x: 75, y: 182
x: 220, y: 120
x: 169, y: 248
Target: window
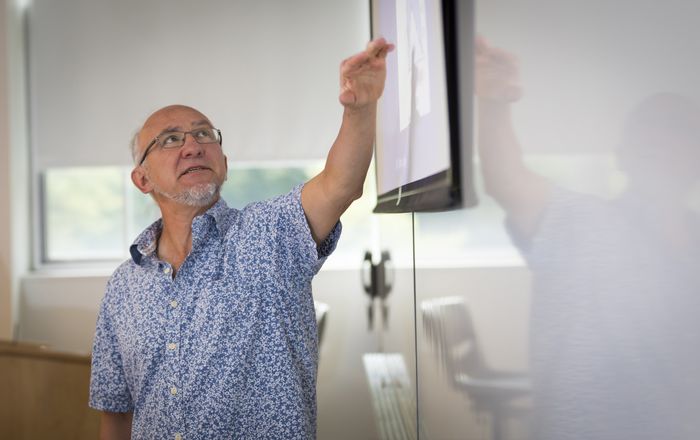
x: 95, y: 213
x: 85, y: 215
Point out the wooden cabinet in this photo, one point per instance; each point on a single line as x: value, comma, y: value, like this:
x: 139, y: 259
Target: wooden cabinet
x: 45, y: 394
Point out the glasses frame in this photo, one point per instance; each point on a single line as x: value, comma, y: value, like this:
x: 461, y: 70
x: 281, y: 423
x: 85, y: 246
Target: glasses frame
x: 184, y: 133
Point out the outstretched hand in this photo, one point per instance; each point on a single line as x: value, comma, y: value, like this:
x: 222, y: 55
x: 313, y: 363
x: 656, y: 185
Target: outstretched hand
x: 497, y: 73
x: 362, y: 75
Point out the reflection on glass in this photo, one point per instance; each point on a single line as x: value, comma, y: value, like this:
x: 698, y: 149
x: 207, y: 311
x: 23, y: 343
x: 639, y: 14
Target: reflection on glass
x: 614, y: 331
x: 393, y: 398
x: 448, y: 326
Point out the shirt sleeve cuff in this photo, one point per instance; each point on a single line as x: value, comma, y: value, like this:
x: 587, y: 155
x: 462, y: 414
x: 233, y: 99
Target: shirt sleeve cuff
x: 318, y: 253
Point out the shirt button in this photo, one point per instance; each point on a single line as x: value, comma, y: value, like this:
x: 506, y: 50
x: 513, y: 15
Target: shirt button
x: 166, y: 270
x: 178, y: 436
x: 173, y: 391
x: 173, y: 304
x: 172, y: 346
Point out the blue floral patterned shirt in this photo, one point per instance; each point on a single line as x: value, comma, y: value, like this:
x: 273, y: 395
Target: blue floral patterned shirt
x: 228, y: 347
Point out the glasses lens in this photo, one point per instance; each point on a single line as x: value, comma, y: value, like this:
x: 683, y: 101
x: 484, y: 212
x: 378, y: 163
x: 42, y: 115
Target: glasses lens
x: 205, y: 135
x: 176, y: 139
x: 173, y: 139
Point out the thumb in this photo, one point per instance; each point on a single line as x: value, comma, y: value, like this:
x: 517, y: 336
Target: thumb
x: 347, y: 97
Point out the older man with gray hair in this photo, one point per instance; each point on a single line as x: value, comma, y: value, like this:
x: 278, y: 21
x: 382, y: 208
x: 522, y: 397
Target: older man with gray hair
x: 208, y: 330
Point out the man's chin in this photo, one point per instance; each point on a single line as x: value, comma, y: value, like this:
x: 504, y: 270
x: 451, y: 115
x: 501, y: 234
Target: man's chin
x: 200, y: 195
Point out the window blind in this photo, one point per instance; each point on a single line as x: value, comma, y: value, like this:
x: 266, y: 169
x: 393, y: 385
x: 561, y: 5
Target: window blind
x: 265, y: 72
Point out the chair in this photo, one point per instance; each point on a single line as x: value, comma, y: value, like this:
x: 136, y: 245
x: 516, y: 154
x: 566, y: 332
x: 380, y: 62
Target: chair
x: 321, y: 313
x: 448, y: 326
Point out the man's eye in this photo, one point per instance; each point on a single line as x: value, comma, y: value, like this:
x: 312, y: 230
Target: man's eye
x: 170, y: 139
x: 205, y: 135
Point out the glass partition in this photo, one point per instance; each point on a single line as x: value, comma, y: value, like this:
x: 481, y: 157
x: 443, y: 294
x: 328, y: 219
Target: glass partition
x: 588, y: 132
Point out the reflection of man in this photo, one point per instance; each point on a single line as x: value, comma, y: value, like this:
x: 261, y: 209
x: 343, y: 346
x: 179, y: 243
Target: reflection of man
x: 614, y: 347
x: 208, y: 331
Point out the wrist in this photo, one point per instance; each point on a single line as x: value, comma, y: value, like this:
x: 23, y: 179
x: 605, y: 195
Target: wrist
x: 360, y: 111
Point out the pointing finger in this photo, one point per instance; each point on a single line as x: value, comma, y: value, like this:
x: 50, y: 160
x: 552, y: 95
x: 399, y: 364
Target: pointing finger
x: 378, y: 48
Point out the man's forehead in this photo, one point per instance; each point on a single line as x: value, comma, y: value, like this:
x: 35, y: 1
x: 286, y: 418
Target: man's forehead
x: 175, y: 115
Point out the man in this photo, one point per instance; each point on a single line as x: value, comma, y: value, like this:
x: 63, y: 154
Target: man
x: 614, y: 337
x: 208, y: 331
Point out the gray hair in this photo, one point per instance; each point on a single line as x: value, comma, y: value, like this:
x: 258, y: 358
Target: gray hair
x: 134, y: 146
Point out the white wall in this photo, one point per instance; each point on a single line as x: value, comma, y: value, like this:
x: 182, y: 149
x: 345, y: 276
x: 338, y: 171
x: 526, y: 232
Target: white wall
x: 60, y: 311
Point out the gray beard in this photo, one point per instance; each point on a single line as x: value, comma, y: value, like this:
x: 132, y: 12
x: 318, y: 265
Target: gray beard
x: 197, y: 196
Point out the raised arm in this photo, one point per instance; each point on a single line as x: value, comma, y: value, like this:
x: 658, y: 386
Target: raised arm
x: 521, y: 192
x: 326, y: 196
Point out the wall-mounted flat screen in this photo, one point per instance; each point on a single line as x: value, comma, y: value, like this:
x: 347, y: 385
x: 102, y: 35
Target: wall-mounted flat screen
x: 423, y: 149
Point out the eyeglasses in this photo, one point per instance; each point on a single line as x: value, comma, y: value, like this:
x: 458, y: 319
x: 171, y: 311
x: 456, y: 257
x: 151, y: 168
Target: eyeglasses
x: 176, y: 139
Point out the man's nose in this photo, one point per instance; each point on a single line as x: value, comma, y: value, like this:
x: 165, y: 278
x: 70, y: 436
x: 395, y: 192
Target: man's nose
x: 191, y: 148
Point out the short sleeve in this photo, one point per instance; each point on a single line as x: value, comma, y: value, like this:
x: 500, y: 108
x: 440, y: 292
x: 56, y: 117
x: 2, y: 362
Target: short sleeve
x: 568, y: 219
x: 295, y: 234
x: 109, y: 390
x: 283, y: 231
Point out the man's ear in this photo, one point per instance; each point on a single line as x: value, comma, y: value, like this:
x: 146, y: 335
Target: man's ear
x: 141, y: 180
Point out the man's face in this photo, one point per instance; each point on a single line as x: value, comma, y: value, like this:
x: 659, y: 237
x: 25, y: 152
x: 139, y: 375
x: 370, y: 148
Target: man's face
x: 191, y: 174
x: 661, y: 144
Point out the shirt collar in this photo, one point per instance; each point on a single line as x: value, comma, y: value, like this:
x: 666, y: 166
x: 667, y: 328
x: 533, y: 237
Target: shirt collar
x: 147, y: 242
x: 218, y: 212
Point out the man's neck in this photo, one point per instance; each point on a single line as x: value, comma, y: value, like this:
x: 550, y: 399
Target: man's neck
x: 175, y: 240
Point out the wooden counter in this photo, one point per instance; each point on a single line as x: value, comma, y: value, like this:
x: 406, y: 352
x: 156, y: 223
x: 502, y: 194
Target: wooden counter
x: 44, y: 394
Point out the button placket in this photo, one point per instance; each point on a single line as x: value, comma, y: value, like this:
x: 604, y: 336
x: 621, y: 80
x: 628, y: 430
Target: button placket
x: 172, y: 341
x: 173, y: 308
